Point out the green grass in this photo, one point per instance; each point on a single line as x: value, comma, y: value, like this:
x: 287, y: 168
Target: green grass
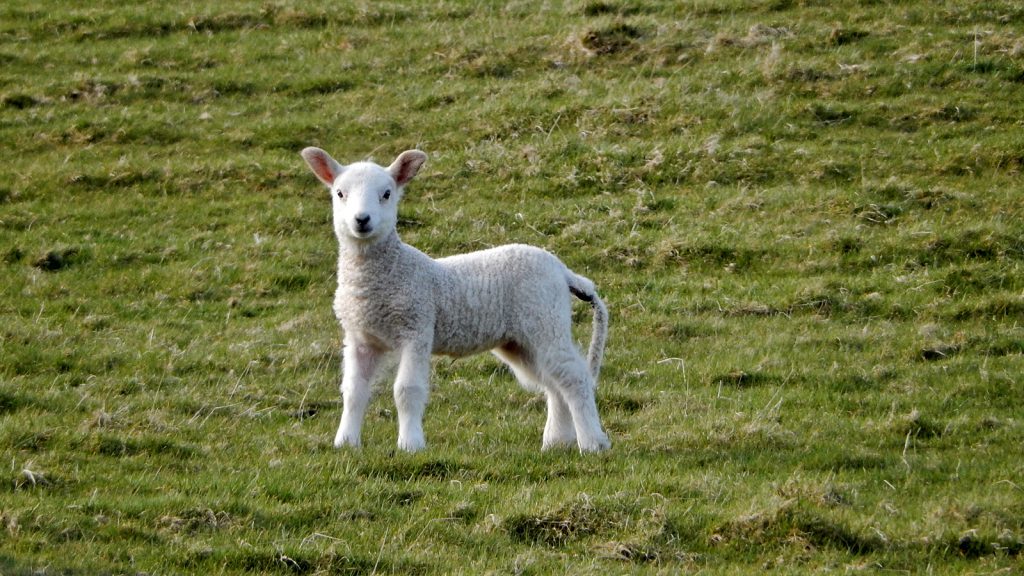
x: 805, y: 217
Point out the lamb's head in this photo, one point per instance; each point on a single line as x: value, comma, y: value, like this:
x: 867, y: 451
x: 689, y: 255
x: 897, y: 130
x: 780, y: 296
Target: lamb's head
x: 364, y: 195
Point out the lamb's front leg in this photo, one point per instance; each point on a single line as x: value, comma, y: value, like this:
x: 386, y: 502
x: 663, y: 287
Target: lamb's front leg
x: 360, y: 365
x: 412, y: 386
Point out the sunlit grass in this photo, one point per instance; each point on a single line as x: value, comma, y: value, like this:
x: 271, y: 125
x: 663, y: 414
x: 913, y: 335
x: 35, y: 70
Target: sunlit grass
x: 805, y: 218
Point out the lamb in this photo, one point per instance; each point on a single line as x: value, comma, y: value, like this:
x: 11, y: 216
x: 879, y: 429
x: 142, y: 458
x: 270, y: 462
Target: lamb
x: 396, y: 303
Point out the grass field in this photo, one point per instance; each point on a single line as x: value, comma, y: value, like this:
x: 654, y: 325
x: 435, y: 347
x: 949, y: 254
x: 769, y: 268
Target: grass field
x: 806, y: 218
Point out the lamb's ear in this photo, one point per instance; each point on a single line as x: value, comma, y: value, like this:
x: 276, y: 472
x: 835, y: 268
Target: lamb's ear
x: 406, y: 166
x: 325, y: 167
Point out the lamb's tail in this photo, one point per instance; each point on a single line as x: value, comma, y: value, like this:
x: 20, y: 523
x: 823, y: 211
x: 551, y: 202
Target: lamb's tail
x: 584, y: 289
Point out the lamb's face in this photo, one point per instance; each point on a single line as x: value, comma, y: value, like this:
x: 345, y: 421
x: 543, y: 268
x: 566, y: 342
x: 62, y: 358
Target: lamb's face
x: 365, y: 200
x: 364, y: 195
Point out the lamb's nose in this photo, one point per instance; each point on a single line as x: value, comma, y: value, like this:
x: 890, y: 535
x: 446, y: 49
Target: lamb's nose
x: 362, y: 220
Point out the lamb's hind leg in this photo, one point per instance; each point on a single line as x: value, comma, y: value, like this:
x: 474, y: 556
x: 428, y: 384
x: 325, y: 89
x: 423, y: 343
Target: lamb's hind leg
x: 360, y: 365
x: 567, y: 372
x: 559, y: 429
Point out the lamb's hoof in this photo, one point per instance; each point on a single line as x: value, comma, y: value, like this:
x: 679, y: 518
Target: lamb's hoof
x: 596, y: 445
x: 556, y: 443
x: 346, y: 441
x: 411, y: 445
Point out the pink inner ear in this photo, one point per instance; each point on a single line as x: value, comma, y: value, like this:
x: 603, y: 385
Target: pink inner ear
x: 407, y: 168
x: 323, y: 169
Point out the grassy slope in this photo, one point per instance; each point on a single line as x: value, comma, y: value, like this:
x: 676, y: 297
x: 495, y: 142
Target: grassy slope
x: 806, y: 220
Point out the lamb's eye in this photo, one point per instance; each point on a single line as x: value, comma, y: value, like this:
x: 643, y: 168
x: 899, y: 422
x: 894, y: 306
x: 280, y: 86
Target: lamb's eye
x: 387, y: 194
x: 340, y: 193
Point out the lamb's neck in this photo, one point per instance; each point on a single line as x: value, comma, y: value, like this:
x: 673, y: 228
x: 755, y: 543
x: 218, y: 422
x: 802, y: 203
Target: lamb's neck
x: 362, y: 263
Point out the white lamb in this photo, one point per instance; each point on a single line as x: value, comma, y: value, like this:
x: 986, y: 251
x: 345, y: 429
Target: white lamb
x: 393, y: 300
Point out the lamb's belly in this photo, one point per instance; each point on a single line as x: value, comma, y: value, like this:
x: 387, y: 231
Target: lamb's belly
x: 467, y: 339
x: 468, y: 349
